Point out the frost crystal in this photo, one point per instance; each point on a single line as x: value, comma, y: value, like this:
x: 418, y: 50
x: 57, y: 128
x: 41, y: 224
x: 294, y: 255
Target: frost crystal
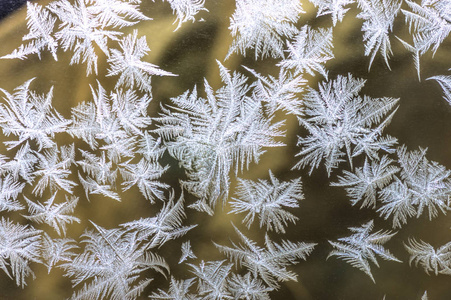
x: 141, y: 145
x: 362, y: 247
x: 310, y: 51
x: 30, y: 117
x: 262, y: 25
x: 341, y: 123
x: 212, y: 136
x: 268, y: 200
x: 270, y: 263
x: 128, y: 65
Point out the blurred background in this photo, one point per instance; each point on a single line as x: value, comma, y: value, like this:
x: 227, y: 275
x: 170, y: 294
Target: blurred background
x: 423, y: 120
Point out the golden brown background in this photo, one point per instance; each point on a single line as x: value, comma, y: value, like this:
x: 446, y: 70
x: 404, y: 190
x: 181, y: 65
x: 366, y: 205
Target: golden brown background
x: 423, y: 119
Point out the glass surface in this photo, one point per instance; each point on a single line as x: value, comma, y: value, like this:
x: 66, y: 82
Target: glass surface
x: 191, y: 52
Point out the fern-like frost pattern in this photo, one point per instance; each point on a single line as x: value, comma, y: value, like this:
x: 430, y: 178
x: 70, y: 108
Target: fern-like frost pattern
x: 124, y: 141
